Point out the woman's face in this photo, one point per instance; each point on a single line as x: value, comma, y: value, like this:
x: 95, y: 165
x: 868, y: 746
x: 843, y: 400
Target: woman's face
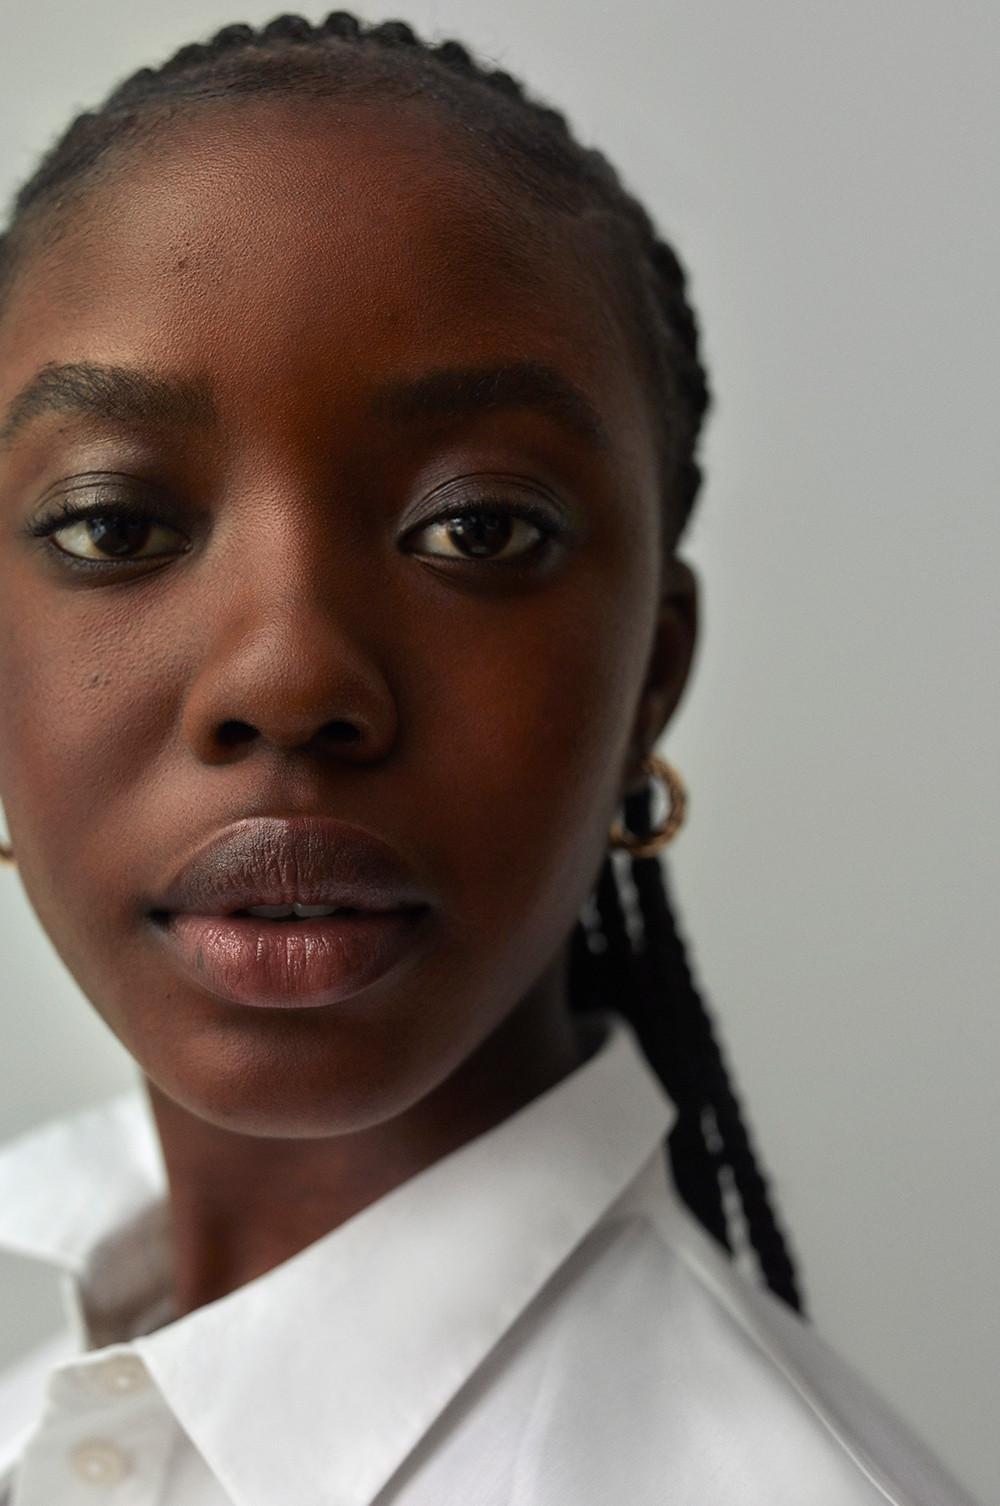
x: 299, y: 632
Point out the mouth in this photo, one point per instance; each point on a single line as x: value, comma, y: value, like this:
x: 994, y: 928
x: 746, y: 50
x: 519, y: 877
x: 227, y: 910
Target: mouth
x: 291, y: 911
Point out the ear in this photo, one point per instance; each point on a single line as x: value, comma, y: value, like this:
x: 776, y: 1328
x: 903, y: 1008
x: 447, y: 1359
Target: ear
x: 671, y: 655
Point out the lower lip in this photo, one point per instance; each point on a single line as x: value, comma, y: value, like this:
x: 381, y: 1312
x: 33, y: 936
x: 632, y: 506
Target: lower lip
x: 300, y: 964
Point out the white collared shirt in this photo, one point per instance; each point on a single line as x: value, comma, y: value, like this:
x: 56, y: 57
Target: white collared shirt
x: 533, y: 1320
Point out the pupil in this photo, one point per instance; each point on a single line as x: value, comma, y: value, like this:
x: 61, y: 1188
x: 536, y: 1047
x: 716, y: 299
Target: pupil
x: 480, y: 532
x: 117, y: 535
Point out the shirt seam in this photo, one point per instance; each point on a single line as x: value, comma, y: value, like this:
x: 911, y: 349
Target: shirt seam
x: 859, y: 1456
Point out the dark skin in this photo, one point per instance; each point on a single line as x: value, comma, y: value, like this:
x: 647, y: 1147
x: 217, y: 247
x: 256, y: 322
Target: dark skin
x: 501, y: 711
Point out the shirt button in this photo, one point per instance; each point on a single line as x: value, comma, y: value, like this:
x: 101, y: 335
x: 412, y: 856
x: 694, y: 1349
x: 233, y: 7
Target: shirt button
x: 99, y: 1462
x: 124, y: 1373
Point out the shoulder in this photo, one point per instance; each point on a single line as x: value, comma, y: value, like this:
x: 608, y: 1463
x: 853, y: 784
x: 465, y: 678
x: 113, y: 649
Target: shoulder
x: 696, y: 1383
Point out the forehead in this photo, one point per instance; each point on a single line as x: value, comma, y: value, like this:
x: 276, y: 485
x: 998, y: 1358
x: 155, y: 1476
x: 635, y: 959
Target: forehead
x: 295, y: 244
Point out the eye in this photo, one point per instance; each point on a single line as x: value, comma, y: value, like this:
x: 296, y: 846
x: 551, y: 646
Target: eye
x: 100, y: 533
x: 105, y: 532
x: 491, y: 530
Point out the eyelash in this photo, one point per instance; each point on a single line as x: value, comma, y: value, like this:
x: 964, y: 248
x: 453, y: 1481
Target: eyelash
x: 141, y: 512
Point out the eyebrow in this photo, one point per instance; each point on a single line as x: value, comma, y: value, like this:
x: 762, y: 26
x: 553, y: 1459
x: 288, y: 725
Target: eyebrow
x: 463, y: 391
x: 129, y: 394
x: 123, y: 393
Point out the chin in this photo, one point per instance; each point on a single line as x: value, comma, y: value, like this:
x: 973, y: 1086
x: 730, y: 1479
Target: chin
x: 287, y: 1082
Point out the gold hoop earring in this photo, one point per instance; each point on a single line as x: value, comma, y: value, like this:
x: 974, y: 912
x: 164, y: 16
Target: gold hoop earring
x: 645, y: 847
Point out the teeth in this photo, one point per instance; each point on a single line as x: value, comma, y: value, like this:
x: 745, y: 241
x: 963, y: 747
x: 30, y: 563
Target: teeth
x: 285, y: 912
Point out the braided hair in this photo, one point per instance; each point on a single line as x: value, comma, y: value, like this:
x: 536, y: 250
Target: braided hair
x: 641, y: 971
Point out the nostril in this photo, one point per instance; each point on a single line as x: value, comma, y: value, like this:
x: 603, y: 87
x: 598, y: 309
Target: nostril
x: 233, y: 733
x: 342, y: 732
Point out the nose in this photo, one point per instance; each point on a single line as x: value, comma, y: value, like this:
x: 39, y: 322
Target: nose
x: 292, y: 670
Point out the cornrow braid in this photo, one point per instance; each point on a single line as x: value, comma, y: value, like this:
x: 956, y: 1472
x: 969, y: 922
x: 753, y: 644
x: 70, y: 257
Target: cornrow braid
x: 647, y: 979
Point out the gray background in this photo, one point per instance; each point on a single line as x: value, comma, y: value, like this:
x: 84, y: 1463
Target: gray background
x: 828, y: 174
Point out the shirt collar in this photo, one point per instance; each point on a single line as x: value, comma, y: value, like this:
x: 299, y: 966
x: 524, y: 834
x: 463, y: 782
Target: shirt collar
x: 72, y: 1182
x: 327, y: 1370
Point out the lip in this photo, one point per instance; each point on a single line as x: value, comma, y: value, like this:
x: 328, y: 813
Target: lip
x: 295, y: 963
x: 274, y: 860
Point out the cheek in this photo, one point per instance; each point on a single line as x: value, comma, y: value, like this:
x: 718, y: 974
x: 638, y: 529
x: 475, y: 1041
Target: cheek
x: 87, y: 702
x: 528, y: 773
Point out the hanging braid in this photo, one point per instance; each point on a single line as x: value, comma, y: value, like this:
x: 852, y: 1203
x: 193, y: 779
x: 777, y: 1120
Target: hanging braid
x: 708, y: 1084
x: 647, y: 980
x: 651, y: 984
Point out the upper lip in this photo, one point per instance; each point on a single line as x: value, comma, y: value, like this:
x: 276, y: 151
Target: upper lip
x: 277, y: 860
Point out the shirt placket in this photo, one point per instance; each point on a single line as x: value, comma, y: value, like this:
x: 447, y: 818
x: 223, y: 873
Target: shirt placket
x: 105, y: 1437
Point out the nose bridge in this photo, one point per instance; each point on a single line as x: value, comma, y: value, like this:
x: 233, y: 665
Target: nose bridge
x: 288, y: 632
x: 299, y: 553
